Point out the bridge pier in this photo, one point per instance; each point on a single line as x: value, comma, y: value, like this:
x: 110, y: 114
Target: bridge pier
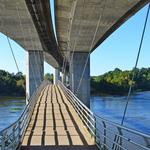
x: 82, y: 91
x: 64, y: 78
x: 56, y: 76
x: 35, y: 71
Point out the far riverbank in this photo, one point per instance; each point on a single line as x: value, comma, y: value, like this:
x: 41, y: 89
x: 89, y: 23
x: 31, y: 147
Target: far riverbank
x: 12, y: 97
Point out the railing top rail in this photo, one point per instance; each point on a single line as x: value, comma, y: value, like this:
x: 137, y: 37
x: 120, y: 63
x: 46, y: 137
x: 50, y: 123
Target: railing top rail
x: 19, y: 116
x: 134, y: 131
x: 74, y: 96
x: 3, y: 130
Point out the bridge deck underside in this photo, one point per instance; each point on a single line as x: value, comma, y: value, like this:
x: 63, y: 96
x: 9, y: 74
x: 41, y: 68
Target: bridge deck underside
x: 55, y: 124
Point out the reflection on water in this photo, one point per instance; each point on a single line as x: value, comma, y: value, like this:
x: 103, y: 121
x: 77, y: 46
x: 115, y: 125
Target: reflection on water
x: 112, y: 107
x: 10, y: 110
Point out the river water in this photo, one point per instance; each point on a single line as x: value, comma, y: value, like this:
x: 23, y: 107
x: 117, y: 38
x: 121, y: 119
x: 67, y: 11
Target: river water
x: 112, y: 107
x: 10, y: 110
x: 109, y: 107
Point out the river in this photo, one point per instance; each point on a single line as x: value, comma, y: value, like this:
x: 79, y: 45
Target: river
x: 112, y: 107
x: 109, y: 107
x: 10, y: 110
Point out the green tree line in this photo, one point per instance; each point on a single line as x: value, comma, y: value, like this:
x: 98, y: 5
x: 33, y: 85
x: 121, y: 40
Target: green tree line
x: 49, y: 77
x: 12, y: 84
x: 112, y: 82
x: 118, y: 81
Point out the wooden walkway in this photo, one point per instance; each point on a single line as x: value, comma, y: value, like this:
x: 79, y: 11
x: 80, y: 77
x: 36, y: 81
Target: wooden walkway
x: 56, y: 125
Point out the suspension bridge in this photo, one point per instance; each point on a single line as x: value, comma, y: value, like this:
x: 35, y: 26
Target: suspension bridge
x: 58, y: 116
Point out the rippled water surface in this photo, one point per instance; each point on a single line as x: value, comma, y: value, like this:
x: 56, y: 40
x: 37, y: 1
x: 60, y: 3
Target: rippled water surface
x: 109, y: 107
x: 112, y: 107
x: 10, y: 110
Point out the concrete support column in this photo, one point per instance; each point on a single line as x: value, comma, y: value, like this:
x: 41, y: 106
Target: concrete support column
x: 67, y: 79
x: 56, y: 76
x: 35, y: 71
x: 76, y: 69
x: 64, y: 78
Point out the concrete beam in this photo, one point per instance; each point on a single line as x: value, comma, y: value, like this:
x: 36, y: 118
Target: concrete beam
x: 35, y: 71
x: 76, y: 69
x: 81, y: 18
x: 41, y: 16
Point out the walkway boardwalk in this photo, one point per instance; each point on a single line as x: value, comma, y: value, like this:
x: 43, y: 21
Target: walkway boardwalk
x: 55, y: 124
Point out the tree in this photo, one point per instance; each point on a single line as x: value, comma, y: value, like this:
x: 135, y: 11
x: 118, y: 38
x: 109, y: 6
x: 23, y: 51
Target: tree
x: 11, y: 84
x: 118, y: 81
x: 49, y: 77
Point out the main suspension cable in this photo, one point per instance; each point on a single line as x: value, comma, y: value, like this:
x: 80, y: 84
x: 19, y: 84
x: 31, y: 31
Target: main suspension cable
x: 12, y: 52
x: 91, y: 46
x: 23, y: 34
x: 136, y: 63
x: 72, y: 13
x: 78, y: 33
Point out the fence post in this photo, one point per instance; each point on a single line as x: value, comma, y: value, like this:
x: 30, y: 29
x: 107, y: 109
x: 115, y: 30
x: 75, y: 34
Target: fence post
x: 95, y: 128
x: 104, y: 125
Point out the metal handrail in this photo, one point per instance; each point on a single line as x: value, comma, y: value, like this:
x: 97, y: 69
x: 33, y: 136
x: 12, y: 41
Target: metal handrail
x: 115, y: 133
x: 108, y: 135
x: 12, y: 136
x: 123, y: 127
x: 82, y: 110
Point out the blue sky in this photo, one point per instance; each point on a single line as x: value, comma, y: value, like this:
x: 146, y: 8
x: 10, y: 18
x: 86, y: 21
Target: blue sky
x: 119, y: 50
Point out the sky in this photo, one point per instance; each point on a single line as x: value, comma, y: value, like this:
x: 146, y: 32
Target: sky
x: 120, y: 49
x: 117, y: 51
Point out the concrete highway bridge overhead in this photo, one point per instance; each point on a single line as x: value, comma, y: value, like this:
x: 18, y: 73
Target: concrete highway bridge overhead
x: 57, y: 117
x: 81, y: 26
